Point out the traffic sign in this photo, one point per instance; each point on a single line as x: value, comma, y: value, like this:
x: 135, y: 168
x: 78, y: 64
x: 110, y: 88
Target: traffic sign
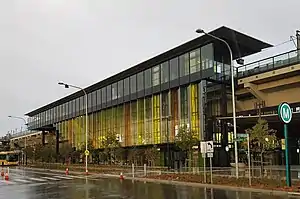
x: 203, y: 147
x: 210, y: 155
x: 285, y: 112
x: 86, y: 152
x: 209, y: 147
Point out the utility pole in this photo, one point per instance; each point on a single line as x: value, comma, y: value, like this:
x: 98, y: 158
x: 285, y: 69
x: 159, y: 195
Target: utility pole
x: 298, y: 39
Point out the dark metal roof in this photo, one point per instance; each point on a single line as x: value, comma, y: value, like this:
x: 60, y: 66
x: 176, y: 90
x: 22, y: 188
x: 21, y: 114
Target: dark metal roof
x: 242, y: 45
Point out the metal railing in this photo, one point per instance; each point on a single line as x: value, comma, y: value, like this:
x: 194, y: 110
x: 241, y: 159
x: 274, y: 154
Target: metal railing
x: 269, y: 64
x: 22, y: 133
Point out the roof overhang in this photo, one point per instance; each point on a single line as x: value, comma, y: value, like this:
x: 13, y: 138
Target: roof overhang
x: 242, y: 45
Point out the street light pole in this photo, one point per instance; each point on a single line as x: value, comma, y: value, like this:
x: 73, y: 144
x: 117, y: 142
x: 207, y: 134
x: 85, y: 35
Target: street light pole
x: 86, y: 120
x: 200, y: 31
x: 25, y: 141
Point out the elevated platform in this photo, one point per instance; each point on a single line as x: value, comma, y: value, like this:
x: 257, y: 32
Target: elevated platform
x: 271, y: 82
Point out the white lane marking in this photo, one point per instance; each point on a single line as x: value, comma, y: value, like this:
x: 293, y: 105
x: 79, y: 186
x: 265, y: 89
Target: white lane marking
x: 7, y: 182
x: 48, y: 178
x: 63, y: 177
x: 37, y: 179
x: 21, y: 180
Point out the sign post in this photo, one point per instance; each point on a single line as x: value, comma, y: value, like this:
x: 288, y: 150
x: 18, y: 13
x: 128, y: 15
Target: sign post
x: 203, y: 152
x: 210, y: 154
x: 285, y: 115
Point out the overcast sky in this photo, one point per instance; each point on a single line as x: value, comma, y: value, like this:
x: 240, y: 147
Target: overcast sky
x: 82, y: 42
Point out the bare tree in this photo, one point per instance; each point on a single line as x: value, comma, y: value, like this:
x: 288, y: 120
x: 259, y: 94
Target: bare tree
x: 262, y: 139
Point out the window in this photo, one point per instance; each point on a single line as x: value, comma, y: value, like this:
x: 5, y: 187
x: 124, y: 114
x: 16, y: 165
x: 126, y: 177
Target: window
x: 184, y: 65
x: 90, y: 100
x: 195, y: 61
x: 165, y: 72
x: 207, y: 56
x: 133, y: 84
x: 103, y: 95
x: 77, y: 106
x: 140, y: 81
x: 126, y: 86
x: 108, y: 93
x: 94, y: 98
x: 155, y: 76
x: 147, y: 77
x: 174, y: 68
x: 82, y: 103
x: 99, y: 96
x: 120, y: 89
x: 74, y: 106
x: 114, y: 91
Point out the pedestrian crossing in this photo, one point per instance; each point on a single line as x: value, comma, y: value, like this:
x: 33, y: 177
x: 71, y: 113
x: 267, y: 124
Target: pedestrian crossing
x: 17, y: 179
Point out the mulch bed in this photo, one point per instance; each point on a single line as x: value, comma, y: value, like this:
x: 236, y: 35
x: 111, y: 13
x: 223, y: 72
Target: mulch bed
x: 270, y: 184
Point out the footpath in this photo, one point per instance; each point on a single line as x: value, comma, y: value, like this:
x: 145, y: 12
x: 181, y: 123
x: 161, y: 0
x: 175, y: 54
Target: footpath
x: 177, y: 180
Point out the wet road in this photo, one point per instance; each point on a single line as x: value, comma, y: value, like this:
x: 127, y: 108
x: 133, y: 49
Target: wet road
x: 37, y: 185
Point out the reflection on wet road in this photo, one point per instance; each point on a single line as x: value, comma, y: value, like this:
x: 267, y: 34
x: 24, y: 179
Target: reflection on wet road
x: 37, y: 185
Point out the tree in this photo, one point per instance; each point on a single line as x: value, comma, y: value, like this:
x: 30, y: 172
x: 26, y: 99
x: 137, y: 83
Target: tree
x: 186, y: 139
x: 29, y: 151
x: 110, y: 144
x: 151, y: 155
x: 262, y: 139
x: 65, y: 151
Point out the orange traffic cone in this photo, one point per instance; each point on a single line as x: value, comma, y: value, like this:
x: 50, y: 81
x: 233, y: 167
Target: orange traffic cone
x: 6, y: 177
x: 67, y: 171
x: 121, y: 176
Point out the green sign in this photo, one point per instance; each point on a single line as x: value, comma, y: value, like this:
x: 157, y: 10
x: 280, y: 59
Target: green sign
x: 285, y: 112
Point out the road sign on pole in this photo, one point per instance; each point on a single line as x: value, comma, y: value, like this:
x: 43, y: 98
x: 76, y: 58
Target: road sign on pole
x: 285, y: 115
x: 203, y: 147
x: 86, y: 152
x: 209, y: 146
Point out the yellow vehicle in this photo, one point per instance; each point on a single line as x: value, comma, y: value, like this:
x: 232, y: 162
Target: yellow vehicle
x: 9, y: 158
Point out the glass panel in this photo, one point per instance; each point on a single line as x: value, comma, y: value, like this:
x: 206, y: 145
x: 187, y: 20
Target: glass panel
x: 108, y: 93
x: 148, y: 123
x: 114, y: 91
x: 141, y: 122
x: 133, y: 108
x: 94, y: 98
x: 155, y: 75
x: 165, y: 72
x: 89, y: 100
x: 120, y: 89
x: 184, y: 106
x: 156, y: 118
x: 82, y: 103
x: 103, y: 96
x: 174, y: 68
x: 147, y: 76
x: 133, y: 84
x: 98, y: 96
x: 207, y: 56
x: 74, y: 106
x: 184, y: 65
x: 195, y: 61
x: 126, y: 86
x: 140, y: 81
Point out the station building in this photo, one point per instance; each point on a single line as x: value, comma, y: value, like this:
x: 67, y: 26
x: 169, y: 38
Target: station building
x: 146, y: 104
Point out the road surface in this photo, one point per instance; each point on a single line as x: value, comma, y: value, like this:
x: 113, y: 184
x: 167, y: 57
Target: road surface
x: 34, y: 184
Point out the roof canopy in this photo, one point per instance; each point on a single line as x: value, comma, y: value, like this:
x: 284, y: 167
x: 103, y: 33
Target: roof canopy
x: 242, y: 45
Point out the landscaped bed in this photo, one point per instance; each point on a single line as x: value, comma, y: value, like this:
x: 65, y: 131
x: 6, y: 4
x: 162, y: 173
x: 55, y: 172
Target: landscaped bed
x: 259, y: 183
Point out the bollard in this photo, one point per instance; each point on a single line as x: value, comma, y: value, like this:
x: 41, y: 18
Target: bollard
x: 6, y: 177
x: 145, y: 170
x: 132, y: 170
x: 121, y: 176
x: 2, y: 172
x: 8, y: 170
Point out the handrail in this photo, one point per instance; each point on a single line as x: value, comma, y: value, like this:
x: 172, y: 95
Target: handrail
x: 269, y: 63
